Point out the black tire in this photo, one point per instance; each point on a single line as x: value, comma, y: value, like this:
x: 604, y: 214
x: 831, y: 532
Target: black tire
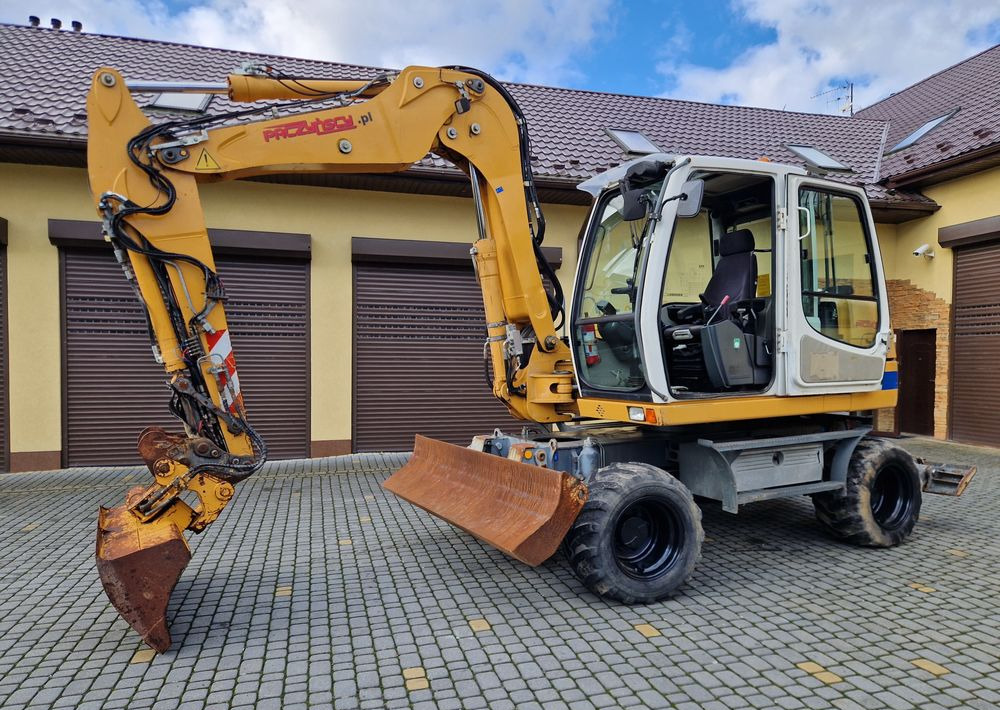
x: 880, y: 503
x: 638, y: 537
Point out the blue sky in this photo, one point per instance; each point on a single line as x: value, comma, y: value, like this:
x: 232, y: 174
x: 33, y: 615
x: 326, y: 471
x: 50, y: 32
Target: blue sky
x: 775, y: 53
x: 710, y: 35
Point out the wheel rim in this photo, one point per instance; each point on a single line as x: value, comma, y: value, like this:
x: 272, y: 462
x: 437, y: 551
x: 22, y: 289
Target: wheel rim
x: 648, y: 539
x: 892, y: 497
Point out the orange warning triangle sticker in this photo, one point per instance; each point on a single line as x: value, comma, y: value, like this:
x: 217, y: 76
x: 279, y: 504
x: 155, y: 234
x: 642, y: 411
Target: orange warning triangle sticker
x: 206, y: 162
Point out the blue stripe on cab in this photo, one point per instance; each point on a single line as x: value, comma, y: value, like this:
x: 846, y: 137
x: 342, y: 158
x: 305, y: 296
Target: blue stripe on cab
x: 890, y: 381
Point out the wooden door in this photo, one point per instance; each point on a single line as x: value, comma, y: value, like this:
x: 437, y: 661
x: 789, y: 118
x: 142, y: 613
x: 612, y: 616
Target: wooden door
x: 916, y: 352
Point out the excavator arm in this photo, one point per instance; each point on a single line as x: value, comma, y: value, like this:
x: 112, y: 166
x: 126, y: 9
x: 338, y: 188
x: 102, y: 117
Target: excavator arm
x: 144, y: 178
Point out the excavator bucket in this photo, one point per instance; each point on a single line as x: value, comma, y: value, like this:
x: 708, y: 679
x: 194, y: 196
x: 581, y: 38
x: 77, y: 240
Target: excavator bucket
x: 520, y: 509
x: 139, y: 564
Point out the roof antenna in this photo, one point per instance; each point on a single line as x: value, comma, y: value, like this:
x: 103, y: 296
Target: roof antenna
x: 77, y: 26
x: 33, y: 20
x: 56, y: 23
x: 848, y: 87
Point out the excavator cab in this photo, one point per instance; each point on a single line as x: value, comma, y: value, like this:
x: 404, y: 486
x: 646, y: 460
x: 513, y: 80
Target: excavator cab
x: 715, y: 308
x: 676, y: 301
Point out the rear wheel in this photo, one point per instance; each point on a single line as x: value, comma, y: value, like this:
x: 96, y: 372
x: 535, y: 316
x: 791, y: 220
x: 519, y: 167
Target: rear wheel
x: 639, y: 535
x: 881, y: 500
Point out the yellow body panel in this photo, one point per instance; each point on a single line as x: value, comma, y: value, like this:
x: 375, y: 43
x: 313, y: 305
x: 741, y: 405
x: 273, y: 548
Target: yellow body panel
x: 737, y: 408
x: 730, y: 409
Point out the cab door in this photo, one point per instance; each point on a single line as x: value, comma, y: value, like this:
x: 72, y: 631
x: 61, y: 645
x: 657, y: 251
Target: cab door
x: 837, y: 313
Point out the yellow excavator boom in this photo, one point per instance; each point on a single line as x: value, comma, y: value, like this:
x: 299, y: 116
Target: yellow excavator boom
x: 144, y: 178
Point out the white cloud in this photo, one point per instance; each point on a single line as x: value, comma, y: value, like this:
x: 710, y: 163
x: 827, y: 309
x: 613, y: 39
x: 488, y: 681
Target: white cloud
x: 881, y: 46
x: 520, y: 40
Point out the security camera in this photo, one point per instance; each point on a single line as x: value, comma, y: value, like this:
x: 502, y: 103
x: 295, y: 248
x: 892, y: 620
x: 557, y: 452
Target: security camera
x: 924, y: 250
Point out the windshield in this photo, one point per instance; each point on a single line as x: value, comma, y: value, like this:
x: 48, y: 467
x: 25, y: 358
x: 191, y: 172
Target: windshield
x: 607, y: 352
x: 615, y: 258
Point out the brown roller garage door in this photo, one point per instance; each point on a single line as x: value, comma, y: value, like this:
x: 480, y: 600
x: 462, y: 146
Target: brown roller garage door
x: 418, y: 357
x: 113, y: 388
x: 975, y: 390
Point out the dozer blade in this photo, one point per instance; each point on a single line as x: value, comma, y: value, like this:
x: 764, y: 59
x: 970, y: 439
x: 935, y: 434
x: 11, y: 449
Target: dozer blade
x: 946, y: 479
x: 139, y: 564
x: 520, y: 509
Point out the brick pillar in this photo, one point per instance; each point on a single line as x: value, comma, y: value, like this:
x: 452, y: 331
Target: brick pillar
x: 914, y: 308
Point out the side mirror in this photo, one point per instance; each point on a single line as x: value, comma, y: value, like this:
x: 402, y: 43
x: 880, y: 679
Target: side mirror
x: 634, y: 204
x: 690, y: 204
x: 635, y: 187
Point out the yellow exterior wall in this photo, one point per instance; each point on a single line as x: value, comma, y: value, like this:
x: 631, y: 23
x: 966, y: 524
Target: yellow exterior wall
x: 887, y: 237
x: 962, y: 200
x: 31, y: 195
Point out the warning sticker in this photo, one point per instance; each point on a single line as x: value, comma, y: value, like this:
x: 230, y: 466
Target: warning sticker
x: 206, y: 162
x: 763, y: 285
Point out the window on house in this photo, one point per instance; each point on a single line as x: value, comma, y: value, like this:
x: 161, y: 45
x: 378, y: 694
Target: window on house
x: 633, y: 142
x: 817, y: 158
x: 922, y: 131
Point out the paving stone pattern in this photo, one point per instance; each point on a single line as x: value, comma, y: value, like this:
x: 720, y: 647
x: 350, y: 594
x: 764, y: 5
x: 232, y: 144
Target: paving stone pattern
x: 318, y: 588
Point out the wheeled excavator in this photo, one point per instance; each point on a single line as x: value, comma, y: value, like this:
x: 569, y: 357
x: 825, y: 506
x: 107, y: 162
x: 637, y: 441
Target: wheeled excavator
x: 728, y: 325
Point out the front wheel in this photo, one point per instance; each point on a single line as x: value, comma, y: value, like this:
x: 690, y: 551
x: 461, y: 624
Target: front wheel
x: 639, y: 535
x: 880, y: 502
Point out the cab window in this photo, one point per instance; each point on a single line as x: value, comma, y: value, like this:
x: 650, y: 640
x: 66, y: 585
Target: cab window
x: 839, y: 296
x: 605, y: 339
x: 612, y: 266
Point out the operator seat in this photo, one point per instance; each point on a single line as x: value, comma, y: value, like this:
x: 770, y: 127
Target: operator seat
x: 736, y: 273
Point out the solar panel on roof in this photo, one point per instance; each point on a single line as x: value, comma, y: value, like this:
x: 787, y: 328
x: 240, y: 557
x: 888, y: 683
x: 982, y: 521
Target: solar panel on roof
x: 922, y: 131
x: 817, y: 158
x: 181, y: 102
x: 633, y: 142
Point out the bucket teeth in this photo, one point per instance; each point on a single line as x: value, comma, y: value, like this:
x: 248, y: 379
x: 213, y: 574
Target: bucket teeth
x: 521, y: 509
x: 139, y: 564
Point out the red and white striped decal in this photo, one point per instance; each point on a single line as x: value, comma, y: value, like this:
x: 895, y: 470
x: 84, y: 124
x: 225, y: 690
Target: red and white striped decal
x: 220, y: 346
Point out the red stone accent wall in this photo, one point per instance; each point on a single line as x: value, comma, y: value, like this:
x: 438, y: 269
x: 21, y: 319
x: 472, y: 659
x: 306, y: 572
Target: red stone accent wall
x: 913, y: 308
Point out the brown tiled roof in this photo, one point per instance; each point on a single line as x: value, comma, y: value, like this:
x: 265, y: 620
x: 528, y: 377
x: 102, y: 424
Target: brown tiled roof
x: 43, y: 86
x: 47, y: 72
x: 569, y: 125
x: 972, y: 87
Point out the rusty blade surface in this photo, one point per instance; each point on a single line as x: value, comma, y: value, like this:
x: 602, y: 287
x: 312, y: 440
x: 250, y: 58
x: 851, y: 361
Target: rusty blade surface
x: 139, y: 564
x: 522, y: 510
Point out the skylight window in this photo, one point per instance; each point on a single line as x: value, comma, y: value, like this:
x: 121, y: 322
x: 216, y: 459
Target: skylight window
x: 633, y: 142
x: 922, y: 131
x: 181, y: 102
x: 817, y: 159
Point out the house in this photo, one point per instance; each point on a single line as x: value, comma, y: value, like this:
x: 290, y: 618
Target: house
x: 943, y: 142
x: 348, y: 291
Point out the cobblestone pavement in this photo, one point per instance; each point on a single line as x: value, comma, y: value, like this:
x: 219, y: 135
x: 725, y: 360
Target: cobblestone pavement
x: 319, y: 588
